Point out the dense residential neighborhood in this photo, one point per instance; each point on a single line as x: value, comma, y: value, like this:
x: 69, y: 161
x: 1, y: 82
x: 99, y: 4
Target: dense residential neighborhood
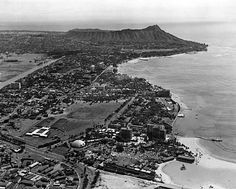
x: 72, y: 115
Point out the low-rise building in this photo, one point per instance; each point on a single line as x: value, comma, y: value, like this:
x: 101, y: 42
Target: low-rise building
x: 42, y: 132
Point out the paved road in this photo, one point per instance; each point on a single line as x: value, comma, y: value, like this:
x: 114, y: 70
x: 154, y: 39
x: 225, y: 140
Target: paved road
x: 108, y: 67
x: 115, y: 115
x: 42, y: 153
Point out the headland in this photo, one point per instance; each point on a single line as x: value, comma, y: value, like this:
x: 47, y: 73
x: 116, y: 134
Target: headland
x: 74, y: 116
x: 209, y: 169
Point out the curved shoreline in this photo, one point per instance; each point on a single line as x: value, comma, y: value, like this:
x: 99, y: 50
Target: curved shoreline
x: 209, y: 158
x: 183, y: 106
x: 205, y: 163
x: 217, y: 156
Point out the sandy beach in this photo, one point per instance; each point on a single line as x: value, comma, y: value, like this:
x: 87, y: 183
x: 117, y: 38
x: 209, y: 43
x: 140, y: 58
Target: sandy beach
x: 213, y: 168
x: 114, y: 181
x: 109, y: 180
x: 211, y: 109
x: 207, y: 171
x: 204, y: 82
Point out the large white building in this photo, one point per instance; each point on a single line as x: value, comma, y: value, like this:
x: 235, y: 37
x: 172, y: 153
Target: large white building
x: 42, y: 132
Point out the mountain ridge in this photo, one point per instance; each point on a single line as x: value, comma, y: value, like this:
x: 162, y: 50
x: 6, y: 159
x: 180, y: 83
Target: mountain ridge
x: 149, y: 34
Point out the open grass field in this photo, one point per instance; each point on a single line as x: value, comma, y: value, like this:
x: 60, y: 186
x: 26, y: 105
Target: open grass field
x: 83, y: 115
x: 94, y: 112
x: 70, y: 126
x: 78, y: 117
x: 10, y: 69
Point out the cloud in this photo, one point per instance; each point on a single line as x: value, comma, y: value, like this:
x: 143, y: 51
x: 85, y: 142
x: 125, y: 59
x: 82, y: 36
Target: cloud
x: 117, y: 10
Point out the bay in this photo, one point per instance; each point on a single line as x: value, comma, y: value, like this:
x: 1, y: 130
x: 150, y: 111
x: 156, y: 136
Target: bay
x: 205, y: 82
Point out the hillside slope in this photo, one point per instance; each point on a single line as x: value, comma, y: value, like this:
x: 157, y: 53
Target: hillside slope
x: 149, y: 34
x: 152, y: 34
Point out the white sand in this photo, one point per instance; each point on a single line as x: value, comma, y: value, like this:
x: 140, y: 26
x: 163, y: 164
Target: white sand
x: 109, y: 180
x: 206, y: 159
x: 115, y: 181
x: 207, y: 172
x: 164, y: 177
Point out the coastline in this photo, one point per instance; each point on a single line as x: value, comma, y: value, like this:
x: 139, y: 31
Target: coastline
x: 175, y: 97
x: 196, y: 147
x: 163, y: 176
x: 195, y: 142
x: 203, y: 143
x: 135, y: 60
x: 205, y: 161
x: 208, y: 163
x: 205, y: 172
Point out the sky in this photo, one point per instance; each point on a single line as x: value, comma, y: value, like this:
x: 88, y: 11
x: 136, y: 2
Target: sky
x: 93, y: 12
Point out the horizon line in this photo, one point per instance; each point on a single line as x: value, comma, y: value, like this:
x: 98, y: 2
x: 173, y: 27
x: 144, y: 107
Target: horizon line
x: 68, y: 24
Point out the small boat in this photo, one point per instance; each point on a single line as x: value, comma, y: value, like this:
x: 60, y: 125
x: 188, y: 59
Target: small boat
x: 180, y: 115
x: 216, y: 140
x: 144, y: 59
x: 182, y: 167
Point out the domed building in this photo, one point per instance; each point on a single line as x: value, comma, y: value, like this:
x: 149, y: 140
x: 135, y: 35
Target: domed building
x: 77, y: 144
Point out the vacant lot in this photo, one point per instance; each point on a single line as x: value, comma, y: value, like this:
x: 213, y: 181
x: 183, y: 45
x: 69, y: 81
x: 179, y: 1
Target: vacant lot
x: 9, y: 69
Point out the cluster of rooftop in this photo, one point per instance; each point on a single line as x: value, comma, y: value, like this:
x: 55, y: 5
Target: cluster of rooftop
x: 134, y: 139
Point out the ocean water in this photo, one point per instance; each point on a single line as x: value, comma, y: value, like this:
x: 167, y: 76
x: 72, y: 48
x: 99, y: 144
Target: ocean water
x: 205, y: 82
